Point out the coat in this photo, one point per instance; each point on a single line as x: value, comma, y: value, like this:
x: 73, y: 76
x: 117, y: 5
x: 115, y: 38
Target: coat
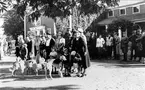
x: 48, y: 48
x: 80, y: 47
x: 143, y: 46
x: 124, y: 44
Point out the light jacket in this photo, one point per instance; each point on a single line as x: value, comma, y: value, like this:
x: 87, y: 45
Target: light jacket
x: 100, y: 42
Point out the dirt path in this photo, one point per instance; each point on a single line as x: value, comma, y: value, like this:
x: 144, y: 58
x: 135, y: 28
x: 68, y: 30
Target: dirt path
x: 101, y: 76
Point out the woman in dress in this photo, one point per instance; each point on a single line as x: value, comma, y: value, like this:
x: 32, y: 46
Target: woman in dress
x: 87, y: 56
x: 79, y: 45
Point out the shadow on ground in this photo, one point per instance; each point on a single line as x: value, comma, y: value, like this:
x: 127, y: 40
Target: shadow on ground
x: 118, y: 64
x: 5, y: 70
x: 61, y: 87
x: 25, y: 77
x: 6, y: 63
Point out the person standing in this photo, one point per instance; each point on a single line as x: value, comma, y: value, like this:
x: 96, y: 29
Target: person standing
x: 124, y: 46
x: 116, y: 46
x: 42, y: 47
x: 99, y: 44
x: 143, y: 46
x: 50, y: 42
x: 92, y: 46
x: 37, y: 45
x: 79, y: 45
x: 132, y: 39
x: 17, y: 48
x: 87, y: 56
x: 24, y: 52
x: 109, y: 44
x: 139, y: 44
x: 60, y: 43
x: 29, y: 47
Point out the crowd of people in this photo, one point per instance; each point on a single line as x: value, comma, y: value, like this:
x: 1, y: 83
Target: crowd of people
x: 72, y: 44
x: 112, y: 46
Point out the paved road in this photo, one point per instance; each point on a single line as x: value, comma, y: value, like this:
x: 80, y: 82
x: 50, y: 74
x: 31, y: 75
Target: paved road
x: 102, y: 75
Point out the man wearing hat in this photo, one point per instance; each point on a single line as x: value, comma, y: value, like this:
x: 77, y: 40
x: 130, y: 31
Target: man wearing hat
x: 50, y: 42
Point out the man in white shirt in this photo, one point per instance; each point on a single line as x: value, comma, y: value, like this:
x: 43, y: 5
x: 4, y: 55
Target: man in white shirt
x: 109, y: 44
x: 99, y: 44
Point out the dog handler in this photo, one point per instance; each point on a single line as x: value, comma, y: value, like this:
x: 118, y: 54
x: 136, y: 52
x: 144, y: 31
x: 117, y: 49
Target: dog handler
x: 79, y: 45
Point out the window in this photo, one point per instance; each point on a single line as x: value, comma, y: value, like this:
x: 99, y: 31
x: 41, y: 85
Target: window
x: 110, y: 13
x: 136, y: 9
x: 122, y: 11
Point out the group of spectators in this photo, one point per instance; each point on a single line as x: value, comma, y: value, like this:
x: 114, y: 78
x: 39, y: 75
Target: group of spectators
x: 73, y: 41
x: 112, y: 46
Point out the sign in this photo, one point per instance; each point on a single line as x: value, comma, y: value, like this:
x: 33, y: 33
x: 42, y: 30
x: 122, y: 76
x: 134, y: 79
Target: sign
x: 37, y: 31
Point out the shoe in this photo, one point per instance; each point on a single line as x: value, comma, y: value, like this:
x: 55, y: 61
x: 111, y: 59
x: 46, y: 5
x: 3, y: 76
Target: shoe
x: 83, y: 75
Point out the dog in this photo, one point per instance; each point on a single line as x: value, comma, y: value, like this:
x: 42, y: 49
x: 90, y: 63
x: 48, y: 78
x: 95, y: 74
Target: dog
x: 76, y: 63
x: 55, y: 61
x: 35, y: 64
x: 18, y: 67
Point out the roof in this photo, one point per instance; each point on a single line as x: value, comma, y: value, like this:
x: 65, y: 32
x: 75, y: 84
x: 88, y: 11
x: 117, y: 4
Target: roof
x: 106, y: 21
x: 129, y: 5
x: 110, y: 20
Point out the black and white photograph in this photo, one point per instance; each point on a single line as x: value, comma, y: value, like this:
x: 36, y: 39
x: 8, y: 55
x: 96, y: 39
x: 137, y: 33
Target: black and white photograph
x: 72, y: 44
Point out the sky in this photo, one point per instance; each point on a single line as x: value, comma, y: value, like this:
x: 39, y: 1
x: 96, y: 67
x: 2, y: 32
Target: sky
x: 125, y: 2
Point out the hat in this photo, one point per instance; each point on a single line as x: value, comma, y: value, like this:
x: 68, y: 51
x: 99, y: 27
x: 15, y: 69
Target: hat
x: 73, y: 52
x: 80, y: 30
x: 63, y: 58
x: 48, y: 33
x: 53, y: 54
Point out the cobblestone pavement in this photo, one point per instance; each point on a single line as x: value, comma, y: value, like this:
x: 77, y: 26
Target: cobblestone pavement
x: 102, y: 75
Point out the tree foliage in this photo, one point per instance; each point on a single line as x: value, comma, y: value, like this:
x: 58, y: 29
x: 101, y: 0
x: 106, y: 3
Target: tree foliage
x: 61, y: 8
x: 5, y: 4
x: 2, y: 6
x: 13, y: 24
x: 123, y: 24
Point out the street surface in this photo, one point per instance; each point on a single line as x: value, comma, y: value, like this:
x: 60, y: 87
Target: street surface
x: 102, y: 75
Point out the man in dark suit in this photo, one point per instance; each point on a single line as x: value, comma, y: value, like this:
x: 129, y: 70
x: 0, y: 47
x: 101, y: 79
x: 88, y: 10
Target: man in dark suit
x: 50, y: 42
x: 132, y: 39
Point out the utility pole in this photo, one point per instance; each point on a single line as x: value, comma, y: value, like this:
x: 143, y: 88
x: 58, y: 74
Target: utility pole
x: 70, y: 20
x: 25, y: 25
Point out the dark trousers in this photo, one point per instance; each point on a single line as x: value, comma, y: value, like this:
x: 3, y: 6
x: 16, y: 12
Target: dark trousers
x: 114, y: 52
x: 133, y: 49
x: 125, y: 56
x: 48, y: 50
x: 109, y: 51
x: 100, y: 52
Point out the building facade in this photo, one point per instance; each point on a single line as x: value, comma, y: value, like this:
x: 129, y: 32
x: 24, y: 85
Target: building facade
x: 132, y: 12
x: 40, y: 26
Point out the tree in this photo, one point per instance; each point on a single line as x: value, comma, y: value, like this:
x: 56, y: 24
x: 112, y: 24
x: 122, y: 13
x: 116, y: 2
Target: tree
x: 2, y: 6
x: 13, y: 24
x: 123, y: 24
x: 5, y: 4
x: 61, y: 8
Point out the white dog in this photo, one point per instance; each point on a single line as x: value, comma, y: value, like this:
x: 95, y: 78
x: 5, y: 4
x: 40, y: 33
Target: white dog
x: 18, y: 67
